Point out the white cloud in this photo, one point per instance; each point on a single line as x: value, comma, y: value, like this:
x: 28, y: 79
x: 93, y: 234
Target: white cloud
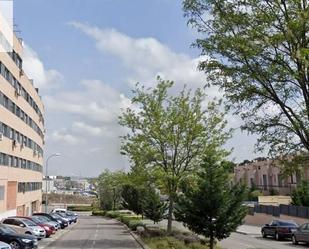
x: 87, y: 129
x: 35, y: 70
x: 147, y: 57
x: 64, y: 137
x: 96, y: 101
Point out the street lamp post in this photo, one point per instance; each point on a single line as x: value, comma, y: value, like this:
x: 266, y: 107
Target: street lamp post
x: 46, y: 175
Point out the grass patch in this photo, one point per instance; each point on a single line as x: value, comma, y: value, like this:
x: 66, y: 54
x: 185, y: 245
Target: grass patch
x: 171, y: 243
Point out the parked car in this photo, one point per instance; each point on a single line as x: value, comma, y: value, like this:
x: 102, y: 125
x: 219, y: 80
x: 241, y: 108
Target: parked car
x: 49, y: 229
x: 63, y: 216
x: 279, y: 229
x: 71, y: 219
x: 38, y: 231
x: 47, y: 221
x: 4, y: 245
x: 301, y: 234
x: 58, y: 216
x: 59, y: 210
x: 17, y: 241
x: 72, y: 216
x: 63, y: 224
x: 18, y: 229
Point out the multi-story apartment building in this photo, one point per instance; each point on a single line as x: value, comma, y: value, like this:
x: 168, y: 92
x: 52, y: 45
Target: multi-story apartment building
x: 21, y: 137
x: 266, y: 175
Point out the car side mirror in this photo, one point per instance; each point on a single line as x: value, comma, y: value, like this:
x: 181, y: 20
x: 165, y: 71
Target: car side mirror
x: 21, y: 225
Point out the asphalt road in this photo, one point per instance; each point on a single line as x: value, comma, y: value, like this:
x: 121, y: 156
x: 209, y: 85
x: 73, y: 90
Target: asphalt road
x: 96, y: 232
x: 240, y: 241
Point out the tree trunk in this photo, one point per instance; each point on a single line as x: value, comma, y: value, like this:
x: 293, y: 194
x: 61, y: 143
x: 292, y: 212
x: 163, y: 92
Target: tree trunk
x: 170, y: 214
x: 211, y: 242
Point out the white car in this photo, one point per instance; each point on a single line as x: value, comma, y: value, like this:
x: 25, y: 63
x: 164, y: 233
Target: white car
x: 4, y: 245
x: 59, y: 210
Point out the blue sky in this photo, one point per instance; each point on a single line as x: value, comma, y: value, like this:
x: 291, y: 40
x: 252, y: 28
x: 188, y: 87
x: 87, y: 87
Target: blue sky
x: 85, y: 55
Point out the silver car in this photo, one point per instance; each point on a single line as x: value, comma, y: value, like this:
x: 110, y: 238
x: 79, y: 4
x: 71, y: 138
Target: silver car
x: 37, y: 231
x: 4, y: 245
x: 42, y: 219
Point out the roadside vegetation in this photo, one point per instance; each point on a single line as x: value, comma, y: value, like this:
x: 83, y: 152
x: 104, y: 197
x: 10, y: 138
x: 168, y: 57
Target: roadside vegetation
x: 178, y: 167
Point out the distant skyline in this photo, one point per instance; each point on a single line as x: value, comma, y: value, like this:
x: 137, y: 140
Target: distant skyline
x: 85, y: 56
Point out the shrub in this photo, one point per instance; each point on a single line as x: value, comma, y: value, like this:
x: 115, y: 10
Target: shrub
x: 113, y: 214
x: 133, y: 224
x: 80, y: 208
x: 98, y: 213
x: 170, y: 242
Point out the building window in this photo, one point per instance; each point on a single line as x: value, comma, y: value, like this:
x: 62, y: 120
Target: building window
x: 1, y: 192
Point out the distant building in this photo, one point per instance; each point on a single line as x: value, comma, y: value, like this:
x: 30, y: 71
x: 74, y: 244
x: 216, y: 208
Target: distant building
x: 48, y: 185
x: 265, y: 174
x: 21, y: 136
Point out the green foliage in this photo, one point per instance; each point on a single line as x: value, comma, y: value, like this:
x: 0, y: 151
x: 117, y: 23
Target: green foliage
x: 110, y: 187
x: 214, y: 208
x: 257, y: 52
x: 113, y: 214
x: 171, y: 243
x: 169, y: 134
x: 153, y: 208
x: 80, y: 208
x: 133, y: 198
x: 98, y: 213
x: 254, y: 195
x: 300, y: 196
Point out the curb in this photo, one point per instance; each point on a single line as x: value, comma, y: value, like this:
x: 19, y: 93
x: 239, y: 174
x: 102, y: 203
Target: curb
x: 139, y: 240
x: 135, y: 236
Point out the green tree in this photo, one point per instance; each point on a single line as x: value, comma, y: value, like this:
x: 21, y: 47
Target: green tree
x: 110, y: 187
x: 214, y: 207
x: 300, y: 196
x: 258, y: 53
x: 153, y: 208
x: 170, y: 133
x: 133, y: 198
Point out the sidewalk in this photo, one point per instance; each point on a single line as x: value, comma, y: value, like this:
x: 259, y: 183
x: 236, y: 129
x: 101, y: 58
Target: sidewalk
x: 249, y: 230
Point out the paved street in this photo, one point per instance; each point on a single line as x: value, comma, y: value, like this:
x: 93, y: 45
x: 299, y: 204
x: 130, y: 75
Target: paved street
x: 240, y: 241
x: 92, y: 232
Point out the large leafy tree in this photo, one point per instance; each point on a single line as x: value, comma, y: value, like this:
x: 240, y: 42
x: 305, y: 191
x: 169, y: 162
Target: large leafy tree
x: 109, y: 187
x: 169, y: 134
x: 213, y: 207
x: 258, y: 52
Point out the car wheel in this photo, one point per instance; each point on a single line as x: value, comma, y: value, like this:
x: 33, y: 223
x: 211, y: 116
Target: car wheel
x: 15, y: 245
x: 264, y: 234
x: 277, y: 236
x: 295, y: 242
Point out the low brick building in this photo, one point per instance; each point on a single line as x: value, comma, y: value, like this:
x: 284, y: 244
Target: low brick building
x: 265, y: 174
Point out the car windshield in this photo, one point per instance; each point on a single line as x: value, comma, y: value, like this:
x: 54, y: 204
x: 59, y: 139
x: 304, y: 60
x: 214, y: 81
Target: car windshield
x: 70, y: 213
x: 287, y: 223
x: 42, y: 218
x: 29, y: 222
x: 36, y: 219
x: 8, y: 230
x: 56, y: 216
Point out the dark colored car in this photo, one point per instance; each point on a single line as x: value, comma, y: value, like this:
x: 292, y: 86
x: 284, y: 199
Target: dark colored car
x: 279, y: 229
x: 70, y: 219
x: 73, y: 215
x: 47, y: 227
x: 17, y: 241
x: 301, y: 234
x: 63, y: 224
